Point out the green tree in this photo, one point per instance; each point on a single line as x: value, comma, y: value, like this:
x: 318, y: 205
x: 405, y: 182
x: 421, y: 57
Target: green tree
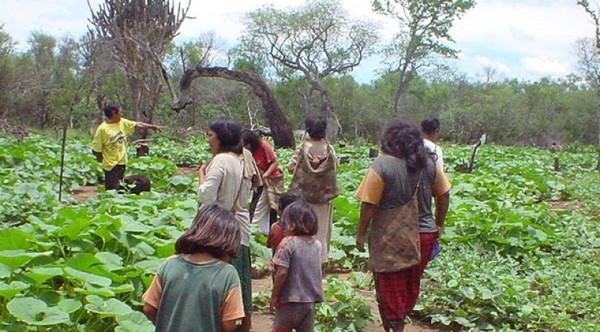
x: 425, y: 30
x: 316, y: 40
x: 589, y: 60
x: 6, y: 71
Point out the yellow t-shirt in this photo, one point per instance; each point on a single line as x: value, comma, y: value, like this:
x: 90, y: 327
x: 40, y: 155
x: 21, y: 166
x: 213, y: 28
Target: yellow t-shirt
x: 111, y: 140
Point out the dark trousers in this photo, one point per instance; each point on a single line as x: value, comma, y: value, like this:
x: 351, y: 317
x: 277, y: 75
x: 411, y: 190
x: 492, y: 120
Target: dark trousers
x: 113, y: 178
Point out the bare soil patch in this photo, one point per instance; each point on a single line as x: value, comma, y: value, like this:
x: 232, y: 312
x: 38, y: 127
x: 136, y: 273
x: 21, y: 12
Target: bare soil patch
x: 84, y: 192
x: 262, y: 321
x: 186, y: 170
x: 565, y: 205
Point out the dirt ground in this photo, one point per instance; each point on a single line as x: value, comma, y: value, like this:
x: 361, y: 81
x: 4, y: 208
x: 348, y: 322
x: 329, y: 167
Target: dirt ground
x: 84, y: 192
x: 262, y: 321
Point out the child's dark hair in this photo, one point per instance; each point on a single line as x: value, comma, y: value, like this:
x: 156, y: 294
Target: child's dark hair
x: 214, y: 231
x: 430, y: 125
x: 300, y: 219
x: 110, y: 109
x: 251, y: 138
x: 316, y: 126
x: 288, y: 198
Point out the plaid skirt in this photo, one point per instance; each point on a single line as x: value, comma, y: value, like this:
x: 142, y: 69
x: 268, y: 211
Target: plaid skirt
x: 397, y: 292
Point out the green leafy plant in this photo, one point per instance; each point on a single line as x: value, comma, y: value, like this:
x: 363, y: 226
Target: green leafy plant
x: 513, y: 258
x: 344, y: 309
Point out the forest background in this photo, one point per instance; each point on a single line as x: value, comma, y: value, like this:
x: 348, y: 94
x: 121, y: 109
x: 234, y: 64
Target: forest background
x: 521, y: 241
x: 55, y: 82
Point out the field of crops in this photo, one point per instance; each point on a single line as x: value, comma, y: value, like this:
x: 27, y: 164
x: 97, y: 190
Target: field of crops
x: 520, y: 250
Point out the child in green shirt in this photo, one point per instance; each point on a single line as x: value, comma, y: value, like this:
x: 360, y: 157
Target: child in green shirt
x: 197, y: 290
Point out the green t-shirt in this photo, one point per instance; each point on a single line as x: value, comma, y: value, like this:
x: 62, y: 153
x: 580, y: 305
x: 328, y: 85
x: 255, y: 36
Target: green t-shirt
x: 194, y: 295
x: 111, y: 140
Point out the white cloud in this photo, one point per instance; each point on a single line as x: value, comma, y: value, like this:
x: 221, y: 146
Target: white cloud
x: 54, y: 17
x: 483, y: 62
x: 534, y: 38
x: 521, y: 38
x: 226, y: 19
x: 545, y: 67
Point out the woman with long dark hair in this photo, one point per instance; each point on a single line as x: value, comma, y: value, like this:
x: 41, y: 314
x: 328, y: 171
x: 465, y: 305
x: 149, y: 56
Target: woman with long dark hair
x: 227, y: 180
x: 396, y: 196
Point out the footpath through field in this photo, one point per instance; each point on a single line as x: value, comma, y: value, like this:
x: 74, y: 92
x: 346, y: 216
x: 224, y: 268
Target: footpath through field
x: 262, y: 321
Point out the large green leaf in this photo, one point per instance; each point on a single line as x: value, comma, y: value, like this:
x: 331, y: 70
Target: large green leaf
x: 5, y: 271
x: 35, y: 312
x: 17, y: 258
x: 133, y: 226
x: 88, y: 277
x: 110, y: 307
x: 75, y: 222
x: 134, y: 322
x: 15, y: 239
x: 99, y: 291
x: 111, y: 261
x: 83, y: 261
x: 69, y: 305
x: 41, y: 274
x: 149, y: 265
x: 8, y: 291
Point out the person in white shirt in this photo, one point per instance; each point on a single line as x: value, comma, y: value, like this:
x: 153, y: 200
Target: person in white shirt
x: 430, y: 129
x: 227, y: 180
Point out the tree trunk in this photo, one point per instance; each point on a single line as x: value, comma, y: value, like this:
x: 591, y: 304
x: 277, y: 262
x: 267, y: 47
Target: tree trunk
x: 327, y: 109
x: 404, y: 79
x: 598, y: 120
x: 597, y: 87
x: 280, y: 127
x: 333, y: 124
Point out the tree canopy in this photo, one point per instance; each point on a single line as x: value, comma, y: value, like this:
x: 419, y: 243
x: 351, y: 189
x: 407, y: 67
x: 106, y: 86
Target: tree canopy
x: 424, y: 31
x: 315, y: 41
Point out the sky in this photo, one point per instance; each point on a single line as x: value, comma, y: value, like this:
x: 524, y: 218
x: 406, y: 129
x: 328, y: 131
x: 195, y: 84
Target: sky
x: 521, y: 39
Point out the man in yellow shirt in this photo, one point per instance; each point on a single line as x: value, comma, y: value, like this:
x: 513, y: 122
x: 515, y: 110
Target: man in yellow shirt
x: 110, y: 143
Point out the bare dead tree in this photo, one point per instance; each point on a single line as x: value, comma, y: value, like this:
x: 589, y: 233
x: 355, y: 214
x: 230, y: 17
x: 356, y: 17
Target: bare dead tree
x: 138, y: 32
x: 316, y: 40
x: 280, y: 128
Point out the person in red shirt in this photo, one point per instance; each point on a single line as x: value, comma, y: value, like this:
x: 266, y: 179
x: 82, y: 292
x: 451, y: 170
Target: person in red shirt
x: 265, y: 213
x: 277, y: 232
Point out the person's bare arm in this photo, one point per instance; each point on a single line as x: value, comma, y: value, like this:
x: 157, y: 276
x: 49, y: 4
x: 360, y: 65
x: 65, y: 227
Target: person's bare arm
x: 278, y: 281
x: 294, y: 160
x: 231, y: 325
x: 144, y: 125
x: 98, y: 155
x: 442, y: 203
x: 271, y: 168
x: 269, y: 171
x: 150, y: 312
x: 367, y: 212
x: 202, y: 174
